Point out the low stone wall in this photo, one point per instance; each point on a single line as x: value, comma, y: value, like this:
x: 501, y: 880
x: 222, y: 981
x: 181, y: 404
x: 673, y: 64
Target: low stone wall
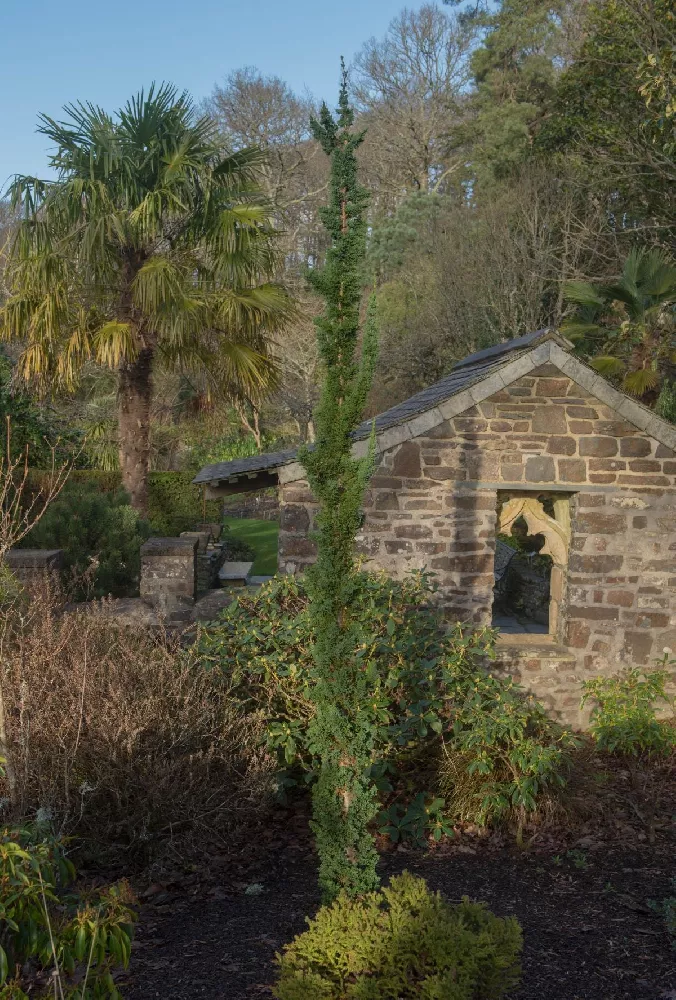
x: 29, y: 566
x: 168, y: 571
x: 258, y: 506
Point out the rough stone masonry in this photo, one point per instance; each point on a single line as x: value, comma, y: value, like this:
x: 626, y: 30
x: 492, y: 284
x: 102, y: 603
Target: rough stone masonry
x: 539, y: 425
x: 432, y: 504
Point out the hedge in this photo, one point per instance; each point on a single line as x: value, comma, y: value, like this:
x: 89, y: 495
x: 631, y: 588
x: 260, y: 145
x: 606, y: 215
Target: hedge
x: 175, y: 503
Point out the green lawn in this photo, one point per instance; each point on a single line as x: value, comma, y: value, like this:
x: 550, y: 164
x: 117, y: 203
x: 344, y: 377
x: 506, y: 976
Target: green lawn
x: 262, y: 537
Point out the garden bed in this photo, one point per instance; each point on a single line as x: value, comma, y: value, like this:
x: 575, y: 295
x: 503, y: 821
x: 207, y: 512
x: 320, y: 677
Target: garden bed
x: 589, y: 933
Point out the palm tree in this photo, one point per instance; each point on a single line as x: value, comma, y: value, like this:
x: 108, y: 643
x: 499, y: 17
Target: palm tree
x: 627, y: 327
x: 153, y: 245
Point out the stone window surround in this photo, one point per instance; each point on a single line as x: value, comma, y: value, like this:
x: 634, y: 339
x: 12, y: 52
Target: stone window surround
x: 557, y: 534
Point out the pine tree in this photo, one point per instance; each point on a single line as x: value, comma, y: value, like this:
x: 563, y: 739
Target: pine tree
x: 344, y: 798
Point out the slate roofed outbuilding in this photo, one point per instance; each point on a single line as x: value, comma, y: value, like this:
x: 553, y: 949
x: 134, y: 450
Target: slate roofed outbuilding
x: 463, y: 374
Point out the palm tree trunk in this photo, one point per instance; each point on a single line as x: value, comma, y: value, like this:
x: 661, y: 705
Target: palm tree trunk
x: 134, y: 394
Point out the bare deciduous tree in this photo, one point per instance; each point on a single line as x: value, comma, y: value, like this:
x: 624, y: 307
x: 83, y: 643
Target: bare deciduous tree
x: 411, y: 89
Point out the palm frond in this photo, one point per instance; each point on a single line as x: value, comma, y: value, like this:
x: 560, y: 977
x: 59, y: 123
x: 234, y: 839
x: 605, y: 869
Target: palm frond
x: 583, y: 293
x: 608, y: 365
x: 641, y: 381
x: 576, y: 330
x: 150, y: 235
x: 114, y: 342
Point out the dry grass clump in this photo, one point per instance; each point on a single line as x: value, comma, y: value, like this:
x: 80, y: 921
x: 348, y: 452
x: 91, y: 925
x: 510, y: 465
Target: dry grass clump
x: 120, y: 736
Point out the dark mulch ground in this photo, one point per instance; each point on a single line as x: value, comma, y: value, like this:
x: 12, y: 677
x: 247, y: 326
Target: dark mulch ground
x: 588, y: 932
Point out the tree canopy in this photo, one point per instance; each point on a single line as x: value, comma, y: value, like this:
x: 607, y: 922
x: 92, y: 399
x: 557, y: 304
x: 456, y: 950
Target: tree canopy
x: 152, y: 246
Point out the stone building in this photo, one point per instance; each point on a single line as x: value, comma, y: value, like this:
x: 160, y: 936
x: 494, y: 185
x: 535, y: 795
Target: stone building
x: 525, y: 432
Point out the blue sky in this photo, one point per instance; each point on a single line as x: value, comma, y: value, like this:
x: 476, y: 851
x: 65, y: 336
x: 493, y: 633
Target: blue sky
x: 56, y: 51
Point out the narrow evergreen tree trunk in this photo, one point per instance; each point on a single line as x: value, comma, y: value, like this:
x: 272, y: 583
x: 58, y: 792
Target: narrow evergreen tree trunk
x: 344, y: 799
x: 133, y: 403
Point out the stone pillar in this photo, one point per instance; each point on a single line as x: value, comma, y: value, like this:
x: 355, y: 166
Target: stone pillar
x: 168, y: 570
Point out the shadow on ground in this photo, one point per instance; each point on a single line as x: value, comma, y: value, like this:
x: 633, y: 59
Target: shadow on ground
x: 589, y: 934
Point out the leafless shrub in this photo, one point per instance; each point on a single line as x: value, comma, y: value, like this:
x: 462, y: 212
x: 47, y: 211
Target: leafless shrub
x: 120, y: 736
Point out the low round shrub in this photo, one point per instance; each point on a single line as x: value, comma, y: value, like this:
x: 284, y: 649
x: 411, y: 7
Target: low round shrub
x: 101, y: 536
x: 402, y: 943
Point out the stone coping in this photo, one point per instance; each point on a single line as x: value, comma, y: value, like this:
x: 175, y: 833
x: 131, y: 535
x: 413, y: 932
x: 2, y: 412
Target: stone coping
x: 169, y: 546
x: 235, y: 570
x: 34, y: 558
x: 545, y: 353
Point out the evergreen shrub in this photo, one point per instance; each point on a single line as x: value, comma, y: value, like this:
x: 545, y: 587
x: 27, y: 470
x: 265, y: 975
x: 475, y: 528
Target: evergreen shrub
x: 101, y: 537
x: 624, y: 714
x: 175, y: 503
x: 402, y: 942
x: 263, y: 644
x: 430, y: 697
x: 504, y: 758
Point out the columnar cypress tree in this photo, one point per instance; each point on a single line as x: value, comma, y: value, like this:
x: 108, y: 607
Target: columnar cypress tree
x: 344, y: 799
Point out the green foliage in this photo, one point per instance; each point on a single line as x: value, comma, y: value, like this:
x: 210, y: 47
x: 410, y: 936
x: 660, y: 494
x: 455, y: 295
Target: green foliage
x: 623, y: 718
x: 77, y: 941
x: 410, y: 666
x: 504, y: 756
x: 405, y: 942
x: 78, y: 479
x: 33, y: 428
x: 176, y: 504
x: 665, y: 406
x: 422, y: 684
x: 344, y: 797
x: 515, y: 72
x: 628, y: 326
x: 101, y: 536
x: 151, y: 244
x: 613, y: 109
x: 421, y: 818
x: 208, y: 449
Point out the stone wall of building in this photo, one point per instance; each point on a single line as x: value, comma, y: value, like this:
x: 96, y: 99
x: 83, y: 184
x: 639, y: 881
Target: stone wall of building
x: 432, y: 504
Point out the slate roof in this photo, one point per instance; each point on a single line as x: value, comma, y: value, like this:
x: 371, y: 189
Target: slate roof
x: 240, y: 466
x: 463, y: 374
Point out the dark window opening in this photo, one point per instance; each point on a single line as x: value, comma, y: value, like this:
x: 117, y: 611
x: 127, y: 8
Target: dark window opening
x: 522, y: 591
